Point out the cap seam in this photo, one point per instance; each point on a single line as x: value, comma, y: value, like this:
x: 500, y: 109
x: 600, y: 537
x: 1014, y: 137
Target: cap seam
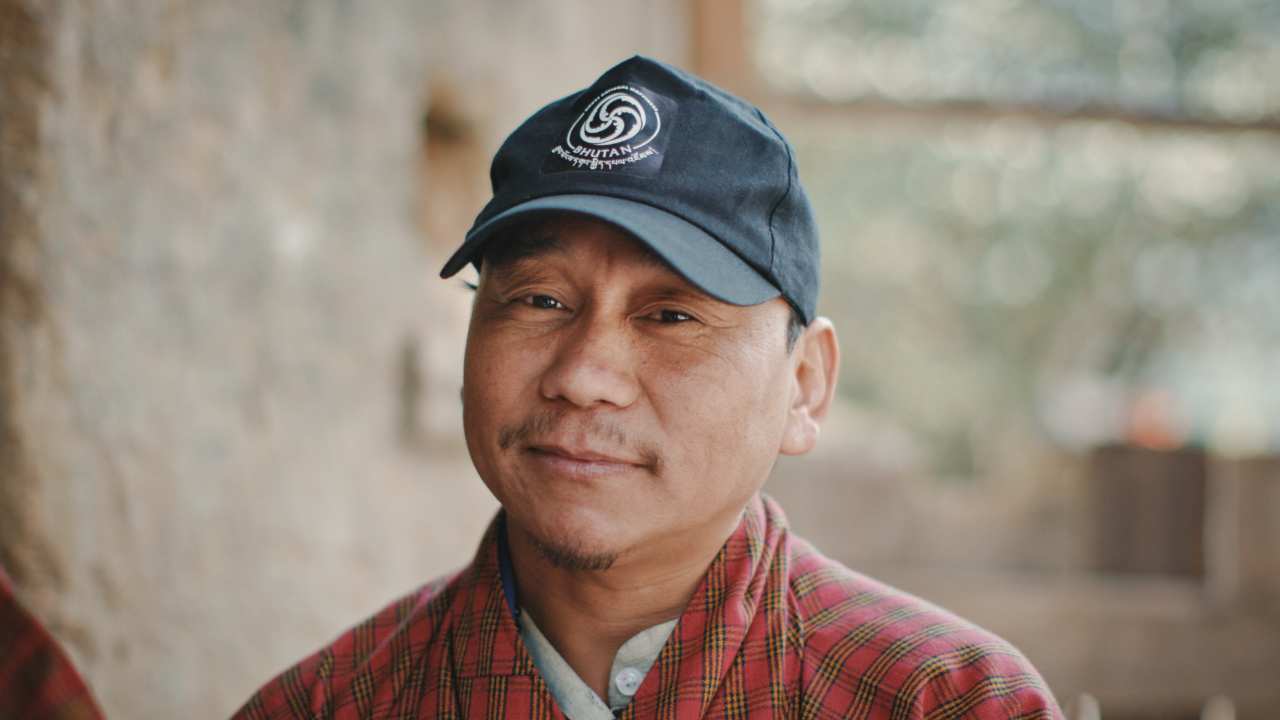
x: 773, y: 240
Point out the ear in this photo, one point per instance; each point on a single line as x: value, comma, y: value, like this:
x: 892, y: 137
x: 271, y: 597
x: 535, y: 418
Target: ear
x: 816, y: 362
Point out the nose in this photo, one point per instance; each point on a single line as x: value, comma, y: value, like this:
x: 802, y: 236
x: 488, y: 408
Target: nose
x: 594, y: 364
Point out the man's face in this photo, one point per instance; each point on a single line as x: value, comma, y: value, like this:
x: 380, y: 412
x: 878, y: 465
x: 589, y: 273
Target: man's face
x: 613, y: 408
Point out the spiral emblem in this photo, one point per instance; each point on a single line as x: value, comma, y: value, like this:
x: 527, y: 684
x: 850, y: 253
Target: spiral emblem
x: 619, y: 116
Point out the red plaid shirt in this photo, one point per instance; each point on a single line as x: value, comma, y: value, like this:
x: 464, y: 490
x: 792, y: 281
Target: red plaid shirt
x: 37, y: 681
x: 774, y: 630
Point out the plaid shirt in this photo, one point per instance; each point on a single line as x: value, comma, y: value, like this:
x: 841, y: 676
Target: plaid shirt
x: 37, y: 681
x: 774, y: 630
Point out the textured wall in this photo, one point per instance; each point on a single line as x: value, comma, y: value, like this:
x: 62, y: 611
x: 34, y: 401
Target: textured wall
x: 229, y: 373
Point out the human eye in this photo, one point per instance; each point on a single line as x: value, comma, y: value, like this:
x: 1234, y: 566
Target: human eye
x: 541, y: 302
x: 670, y: 316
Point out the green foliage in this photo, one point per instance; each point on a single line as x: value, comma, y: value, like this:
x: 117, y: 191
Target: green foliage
x: 1007, y: 281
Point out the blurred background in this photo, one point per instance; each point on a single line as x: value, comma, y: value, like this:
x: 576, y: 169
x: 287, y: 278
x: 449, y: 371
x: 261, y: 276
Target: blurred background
x: 229, y: 424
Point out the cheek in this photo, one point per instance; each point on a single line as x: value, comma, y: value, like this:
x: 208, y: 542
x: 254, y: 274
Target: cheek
x: 495, y: 383
x: 722, y: 417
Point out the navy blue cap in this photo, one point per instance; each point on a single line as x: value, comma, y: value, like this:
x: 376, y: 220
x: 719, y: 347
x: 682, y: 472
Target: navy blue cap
x: 699, y: 176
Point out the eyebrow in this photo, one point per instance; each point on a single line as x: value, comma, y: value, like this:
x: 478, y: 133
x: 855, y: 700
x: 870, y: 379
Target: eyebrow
x: 517, y: 272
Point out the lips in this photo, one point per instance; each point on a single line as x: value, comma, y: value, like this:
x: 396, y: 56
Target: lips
x: 582, y: 456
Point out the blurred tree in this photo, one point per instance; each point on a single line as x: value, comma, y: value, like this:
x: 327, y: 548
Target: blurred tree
x: 1045, y: 222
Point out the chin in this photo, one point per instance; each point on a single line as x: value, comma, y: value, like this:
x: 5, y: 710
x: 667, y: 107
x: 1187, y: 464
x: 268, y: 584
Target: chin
x: 574, y: 538
x: 568, y: 555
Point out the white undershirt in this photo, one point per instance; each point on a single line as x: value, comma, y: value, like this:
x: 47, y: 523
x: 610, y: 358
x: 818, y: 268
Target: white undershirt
x: 576, y: 699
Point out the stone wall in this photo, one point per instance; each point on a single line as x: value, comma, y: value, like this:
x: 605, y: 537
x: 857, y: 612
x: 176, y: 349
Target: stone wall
x: 228, y: 372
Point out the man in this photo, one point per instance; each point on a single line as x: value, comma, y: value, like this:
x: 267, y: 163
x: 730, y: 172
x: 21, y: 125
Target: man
x: 643, y: 344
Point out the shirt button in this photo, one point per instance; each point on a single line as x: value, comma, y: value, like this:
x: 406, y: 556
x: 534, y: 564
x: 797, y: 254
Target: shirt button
x: 628, y: 681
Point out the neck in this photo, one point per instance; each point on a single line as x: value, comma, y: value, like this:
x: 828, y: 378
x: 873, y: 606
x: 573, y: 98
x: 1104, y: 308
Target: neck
x: 588, y: 614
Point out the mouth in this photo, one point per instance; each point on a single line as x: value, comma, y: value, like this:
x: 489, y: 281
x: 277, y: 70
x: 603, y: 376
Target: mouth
x: 581, y: 461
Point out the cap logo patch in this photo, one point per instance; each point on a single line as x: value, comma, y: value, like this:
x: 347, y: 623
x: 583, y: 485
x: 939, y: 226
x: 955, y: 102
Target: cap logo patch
x: 615, y: 117
x: 615, y: 131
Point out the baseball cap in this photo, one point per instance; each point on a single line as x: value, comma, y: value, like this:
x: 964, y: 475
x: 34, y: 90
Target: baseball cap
x: 698, y: 175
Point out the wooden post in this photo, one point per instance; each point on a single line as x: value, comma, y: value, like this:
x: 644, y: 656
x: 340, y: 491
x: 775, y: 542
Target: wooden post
x: 1150, y: 509
x: 721, y: 45
x: 1242, y: 536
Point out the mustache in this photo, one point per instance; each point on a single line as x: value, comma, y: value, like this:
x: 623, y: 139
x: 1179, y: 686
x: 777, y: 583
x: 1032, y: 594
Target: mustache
x: 614, y: 435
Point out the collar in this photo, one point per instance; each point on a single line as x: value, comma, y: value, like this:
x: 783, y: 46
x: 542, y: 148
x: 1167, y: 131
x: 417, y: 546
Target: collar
x: 630, y: 664
x: 505, y: 570
x: 693, y: 663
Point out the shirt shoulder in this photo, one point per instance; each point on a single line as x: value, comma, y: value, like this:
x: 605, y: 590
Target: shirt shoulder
x: 871, y: 650
x: 359, y: 656
x: 37, y: 679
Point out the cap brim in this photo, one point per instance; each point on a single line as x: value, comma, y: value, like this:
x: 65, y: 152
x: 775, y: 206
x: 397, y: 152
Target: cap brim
x: 688, y: 249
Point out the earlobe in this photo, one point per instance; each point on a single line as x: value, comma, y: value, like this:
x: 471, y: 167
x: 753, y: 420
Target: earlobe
x: 817, y: 365
x: 800, y: 435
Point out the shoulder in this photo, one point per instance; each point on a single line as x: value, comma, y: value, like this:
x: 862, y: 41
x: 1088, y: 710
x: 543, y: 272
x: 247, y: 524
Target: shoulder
x: 867, y: 646
x: 400, y: 630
